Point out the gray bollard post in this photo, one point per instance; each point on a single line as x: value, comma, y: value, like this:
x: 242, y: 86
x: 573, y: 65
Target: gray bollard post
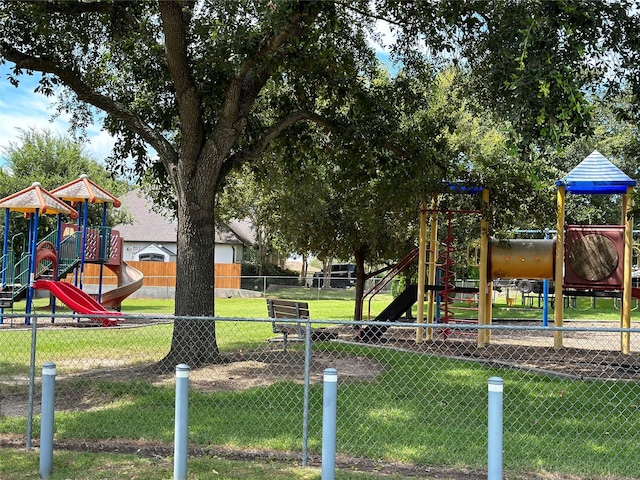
x: 46, y: 418
x: 329, y: 408
x: 494, y: 450
x: 181, y: 422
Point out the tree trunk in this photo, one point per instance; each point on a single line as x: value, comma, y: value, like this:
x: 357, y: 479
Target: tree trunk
x: 262, y: 245
x: 304, y: 268
x: 361, y: 278
x: 326, y: 273
x: 194, y: 340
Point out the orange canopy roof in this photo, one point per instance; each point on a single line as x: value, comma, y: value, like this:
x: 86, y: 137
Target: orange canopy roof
x: 36, y: 198
x: 83, y: 189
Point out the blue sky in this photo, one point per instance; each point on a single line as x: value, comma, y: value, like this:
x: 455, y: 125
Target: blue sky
x: 21, y: 108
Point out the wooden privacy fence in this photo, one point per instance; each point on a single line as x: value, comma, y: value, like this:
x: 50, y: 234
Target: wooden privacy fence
x: 163, y: 274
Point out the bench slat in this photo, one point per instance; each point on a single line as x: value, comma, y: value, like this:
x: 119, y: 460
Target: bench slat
x: 290, y: 314
x: 287, y: 309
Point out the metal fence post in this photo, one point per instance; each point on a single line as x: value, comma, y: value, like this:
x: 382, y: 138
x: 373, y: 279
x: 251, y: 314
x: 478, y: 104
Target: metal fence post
x: 181, y: 422
x: 494, y: 449
x: 329, y: 404
x: 46, y: 418
x: 308, y: 345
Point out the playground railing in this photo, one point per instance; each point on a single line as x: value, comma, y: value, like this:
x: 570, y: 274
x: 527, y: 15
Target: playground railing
x: 7, y: 274
x: 69, y: 253
x: 98, y: 244
x: 571, y: 412
x: 388, y: 278
x: 21, y: 276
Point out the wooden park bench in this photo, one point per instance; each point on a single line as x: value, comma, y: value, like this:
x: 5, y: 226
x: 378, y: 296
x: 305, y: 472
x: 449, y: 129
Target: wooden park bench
x: 290, y: 309
x: 279, y: 309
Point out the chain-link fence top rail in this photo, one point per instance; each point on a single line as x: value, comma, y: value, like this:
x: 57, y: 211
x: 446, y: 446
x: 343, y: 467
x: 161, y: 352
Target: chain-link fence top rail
x: 573, y: 410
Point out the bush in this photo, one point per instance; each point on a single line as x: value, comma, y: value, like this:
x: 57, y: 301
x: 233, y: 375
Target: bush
x: 274, y: 274
x: 398, y: 285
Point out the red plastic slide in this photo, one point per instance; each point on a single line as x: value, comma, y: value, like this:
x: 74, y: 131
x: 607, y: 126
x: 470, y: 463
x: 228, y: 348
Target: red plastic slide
x: 78, y: 300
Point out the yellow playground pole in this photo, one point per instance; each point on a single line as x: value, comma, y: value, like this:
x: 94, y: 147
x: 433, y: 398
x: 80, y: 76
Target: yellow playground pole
x: 559, y: 273
x: 422, y: 258
x: 483, y: 309
x: 625, y: 319
x: 433, y: 258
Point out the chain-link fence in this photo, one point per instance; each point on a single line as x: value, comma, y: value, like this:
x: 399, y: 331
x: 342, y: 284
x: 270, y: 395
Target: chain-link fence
x: 571, y: 410
x: 162, y: 286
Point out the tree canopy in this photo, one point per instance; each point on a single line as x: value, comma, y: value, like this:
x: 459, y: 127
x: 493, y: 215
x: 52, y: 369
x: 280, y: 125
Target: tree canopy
x: 209, y: 84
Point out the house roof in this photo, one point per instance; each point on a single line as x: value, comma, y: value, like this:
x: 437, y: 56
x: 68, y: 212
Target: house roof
x: 149, y: 226
x: 156, y: 248
x: 244, y: 230
x: 596, y: 175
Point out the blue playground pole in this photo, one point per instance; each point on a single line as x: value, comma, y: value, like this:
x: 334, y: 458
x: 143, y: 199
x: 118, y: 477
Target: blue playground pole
x: 494, y: 449
x: 33, y: 241
x: 329, y: 408
x: 5, y: 246
x: 79, y: 245
x: 56, y: 270
x: 83, y: 247
x: 103, y: 249
x: 58, y: 244
x: 545, y: 292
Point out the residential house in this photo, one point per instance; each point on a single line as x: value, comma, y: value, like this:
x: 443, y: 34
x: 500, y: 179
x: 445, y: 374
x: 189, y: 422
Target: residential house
x: 153, y: 236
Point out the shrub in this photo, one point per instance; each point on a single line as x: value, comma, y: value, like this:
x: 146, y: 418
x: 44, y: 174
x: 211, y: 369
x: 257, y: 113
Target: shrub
x: 273, y: 273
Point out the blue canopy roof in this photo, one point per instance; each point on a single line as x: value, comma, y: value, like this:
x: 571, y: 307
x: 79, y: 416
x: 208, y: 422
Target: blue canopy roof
x: 596, y: 175
x: 461, y: 188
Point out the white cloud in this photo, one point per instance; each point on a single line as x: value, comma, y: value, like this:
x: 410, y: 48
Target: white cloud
x: 100, y: 145
x: 23, y: 109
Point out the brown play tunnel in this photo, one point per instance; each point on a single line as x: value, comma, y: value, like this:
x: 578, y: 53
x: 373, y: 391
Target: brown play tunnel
x: 532, y: 259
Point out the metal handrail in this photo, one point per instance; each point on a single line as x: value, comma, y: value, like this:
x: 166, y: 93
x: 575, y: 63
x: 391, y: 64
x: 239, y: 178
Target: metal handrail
x: 7, y: 272
x: 69, y: 253
x: 395, y: 271
x: 21, y: 274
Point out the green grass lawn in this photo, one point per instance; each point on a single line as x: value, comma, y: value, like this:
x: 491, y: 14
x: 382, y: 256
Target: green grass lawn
x: 339, y: 304
x: 343, y: 308
x: 336, y: 304
x: 389, y: 406
x: 18, y: 464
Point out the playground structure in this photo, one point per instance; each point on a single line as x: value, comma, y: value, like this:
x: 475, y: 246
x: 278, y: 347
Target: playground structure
x: 582, y: 260
x: 65, y: 252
